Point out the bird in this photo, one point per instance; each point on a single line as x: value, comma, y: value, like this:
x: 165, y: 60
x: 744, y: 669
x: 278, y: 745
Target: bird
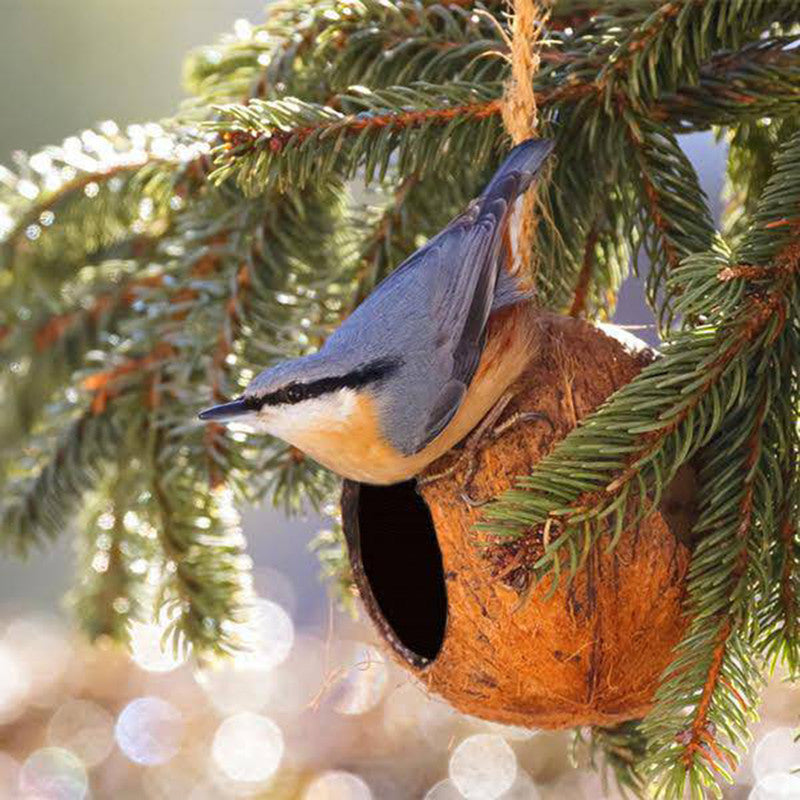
x: 425, y: 359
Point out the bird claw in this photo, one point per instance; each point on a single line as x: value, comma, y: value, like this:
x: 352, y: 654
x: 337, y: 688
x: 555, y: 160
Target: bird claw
x: 488, y: 429
x: 469, y: 500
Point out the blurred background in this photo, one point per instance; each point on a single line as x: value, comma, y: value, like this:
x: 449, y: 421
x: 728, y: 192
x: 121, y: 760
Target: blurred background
x: 313, y: 711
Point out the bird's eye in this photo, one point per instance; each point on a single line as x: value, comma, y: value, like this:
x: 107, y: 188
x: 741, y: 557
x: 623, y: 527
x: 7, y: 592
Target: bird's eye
x: 293, y: 394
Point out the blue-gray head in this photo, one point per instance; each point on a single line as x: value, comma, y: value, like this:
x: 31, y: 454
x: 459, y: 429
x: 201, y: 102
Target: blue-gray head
x: 289, y: 398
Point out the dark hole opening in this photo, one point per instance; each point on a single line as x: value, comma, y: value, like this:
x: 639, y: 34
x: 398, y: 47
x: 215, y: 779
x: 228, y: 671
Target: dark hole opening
x: 403, y: 565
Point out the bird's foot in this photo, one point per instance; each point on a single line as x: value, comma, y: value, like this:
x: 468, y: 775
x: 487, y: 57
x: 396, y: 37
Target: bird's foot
x: 489, y: 430
x: 469, y: 451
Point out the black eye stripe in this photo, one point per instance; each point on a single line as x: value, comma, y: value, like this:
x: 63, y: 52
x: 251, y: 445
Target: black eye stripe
x: 298, y: 392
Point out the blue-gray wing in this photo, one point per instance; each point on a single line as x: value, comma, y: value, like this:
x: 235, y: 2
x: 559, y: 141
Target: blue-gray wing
x: 430, y: 315
x: 445, y: 293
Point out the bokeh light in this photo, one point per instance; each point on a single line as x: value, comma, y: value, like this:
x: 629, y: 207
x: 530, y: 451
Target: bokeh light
x: 53, y: 773
x: 410, y: 709
x: 323, y: 714
x: 296, y: 685
x: 39, y: 645
x: 150, y: 651
x: 524, y: 788
x: 363, y: 680
x: 271, y: 584
x: 232, y: 687
x: 14, y: 686
x: 337, y: 785
x: 244, y: 681
x: 175, y: 779
x: 248, y: 747
x: 149, y: 730
x: 263, y: 639
x: 777, y: 786
x: 267, y: 637
x: 443, y: 790
x: 483, y: 766
x: 410, y: 704
x: 776, y: 752
x: 86, y: 728
x: 511, y: 733
x: 577, y: 784
x: 9, y: 775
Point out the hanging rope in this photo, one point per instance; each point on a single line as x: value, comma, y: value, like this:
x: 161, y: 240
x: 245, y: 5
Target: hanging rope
x: 520, y: 118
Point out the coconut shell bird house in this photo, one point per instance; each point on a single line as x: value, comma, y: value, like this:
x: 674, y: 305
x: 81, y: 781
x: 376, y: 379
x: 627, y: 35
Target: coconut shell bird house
x: 466, y: 619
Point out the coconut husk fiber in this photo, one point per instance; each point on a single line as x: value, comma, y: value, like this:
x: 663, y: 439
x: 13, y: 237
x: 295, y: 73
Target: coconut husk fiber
x: 465, y: 620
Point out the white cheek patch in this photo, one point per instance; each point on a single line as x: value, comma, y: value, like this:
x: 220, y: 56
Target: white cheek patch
x: 294, y: 422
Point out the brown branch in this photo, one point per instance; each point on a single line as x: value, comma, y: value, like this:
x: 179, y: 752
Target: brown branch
x: 787, y: 529
x: 620, y: 60
x: 756, y: 315
x: 788, y: 594
x: 57, y: 326
x: 653, y: 201
x: 238, y: 142
x: 584, y: 278
x: 107, y: 384
x: 700, y: 730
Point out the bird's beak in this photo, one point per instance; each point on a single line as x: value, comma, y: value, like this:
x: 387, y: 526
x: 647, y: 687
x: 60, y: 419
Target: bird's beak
x: 236, y: 410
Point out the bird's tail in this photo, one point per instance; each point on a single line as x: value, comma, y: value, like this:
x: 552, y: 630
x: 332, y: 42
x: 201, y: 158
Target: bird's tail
x: 517, y: 172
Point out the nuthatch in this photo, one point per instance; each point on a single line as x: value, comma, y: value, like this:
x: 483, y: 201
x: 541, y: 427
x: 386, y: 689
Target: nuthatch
x: 421, y: 361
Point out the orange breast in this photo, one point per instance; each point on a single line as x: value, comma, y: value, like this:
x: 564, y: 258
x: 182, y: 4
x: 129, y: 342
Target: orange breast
x: 512, y: 340
x: 357, y: 448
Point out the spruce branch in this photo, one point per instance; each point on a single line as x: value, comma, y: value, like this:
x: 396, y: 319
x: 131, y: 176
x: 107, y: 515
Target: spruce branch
x: 675, y: 221
x: 730, y: 568
x: 380, y: 44
x: 377, y: 251
x: 579, y: 299
x: 205, y: 573
x: 39, y: 496
x: 782, y: 642
x: 751, y: 151
x: 318, y: 50
x: 673, y: 40
x: 641, y: 436
x: 66, y: 204
x: 331, y: 549
x: 54, y: 347
x: 779, y: 638
x: 712, y: 674
x: 263, y: 60
x: 617, y: 751
x: 114, y: 549
x: 290, y: 142
x: 134, y: 291
x: 387, y: 230
x: 760, y: 79
x: 579, y: 273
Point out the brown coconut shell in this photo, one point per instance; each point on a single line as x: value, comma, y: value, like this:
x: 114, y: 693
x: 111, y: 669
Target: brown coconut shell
x: 465, y: 619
